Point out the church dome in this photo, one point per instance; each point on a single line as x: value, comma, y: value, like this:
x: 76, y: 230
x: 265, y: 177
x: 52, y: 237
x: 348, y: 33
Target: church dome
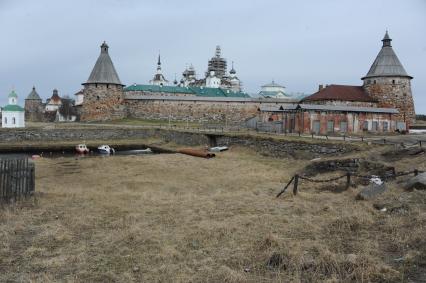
x: 12, y: 94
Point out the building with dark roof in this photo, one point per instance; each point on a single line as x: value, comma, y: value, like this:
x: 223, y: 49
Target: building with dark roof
x: 341, y: 94
x: 54, y: 102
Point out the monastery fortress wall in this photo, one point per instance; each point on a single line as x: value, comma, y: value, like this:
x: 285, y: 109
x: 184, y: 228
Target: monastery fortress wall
x: 383, y: 103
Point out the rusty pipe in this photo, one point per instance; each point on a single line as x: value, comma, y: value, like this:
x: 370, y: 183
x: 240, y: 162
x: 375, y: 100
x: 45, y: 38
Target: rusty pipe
x: 196, y: 152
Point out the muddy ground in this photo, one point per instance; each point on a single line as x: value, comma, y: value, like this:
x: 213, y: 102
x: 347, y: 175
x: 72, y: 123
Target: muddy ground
x: 177, y: 218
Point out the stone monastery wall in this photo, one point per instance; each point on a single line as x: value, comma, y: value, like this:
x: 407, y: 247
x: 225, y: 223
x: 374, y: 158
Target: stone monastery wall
x: 231, y: 112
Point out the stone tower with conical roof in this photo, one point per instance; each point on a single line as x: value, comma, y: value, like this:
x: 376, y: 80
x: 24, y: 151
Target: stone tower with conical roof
x: 388, y: 82
x: 103, y: 91
x: 33, y: 106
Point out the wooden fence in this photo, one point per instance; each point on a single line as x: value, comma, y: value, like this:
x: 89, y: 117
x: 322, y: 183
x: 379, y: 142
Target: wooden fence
x: 296, y: 179
x: 17, y: 179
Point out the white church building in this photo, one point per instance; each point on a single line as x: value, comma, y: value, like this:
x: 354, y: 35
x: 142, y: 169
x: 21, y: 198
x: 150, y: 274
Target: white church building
x: 13, y: 115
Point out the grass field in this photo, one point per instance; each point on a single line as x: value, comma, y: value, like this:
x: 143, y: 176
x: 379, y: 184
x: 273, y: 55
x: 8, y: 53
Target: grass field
x: 176, y: 218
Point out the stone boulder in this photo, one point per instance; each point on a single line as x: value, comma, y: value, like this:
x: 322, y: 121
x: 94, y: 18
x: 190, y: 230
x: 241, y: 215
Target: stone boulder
x: 371, y: 191
x: 417, y: 182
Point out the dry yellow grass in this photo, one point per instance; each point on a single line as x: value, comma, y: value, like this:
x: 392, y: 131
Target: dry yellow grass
x: 176, y: 218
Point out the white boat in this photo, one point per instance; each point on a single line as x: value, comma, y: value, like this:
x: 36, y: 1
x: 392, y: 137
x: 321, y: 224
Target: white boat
x: 81, y: 149
x: 105, y: 149
x: 147, y: 150
x: 218, y: 148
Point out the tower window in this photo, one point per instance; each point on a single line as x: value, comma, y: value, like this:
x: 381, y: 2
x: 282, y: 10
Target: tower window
x: 393, y: 82
x: 5, y: 120
x: 374, y: 81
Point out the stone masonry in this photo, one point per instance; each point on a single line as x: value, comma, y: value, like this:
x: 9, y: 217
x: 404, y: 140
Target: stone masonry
x: 103, y: 102
x: 200, y: 111
x: 393, y: 92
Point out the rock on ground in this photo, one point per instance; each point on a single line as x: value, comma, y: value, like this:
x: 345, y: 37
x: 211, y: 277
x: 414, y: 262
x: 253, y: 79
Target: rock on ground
x: 371, y: 191
x: 416, y: 182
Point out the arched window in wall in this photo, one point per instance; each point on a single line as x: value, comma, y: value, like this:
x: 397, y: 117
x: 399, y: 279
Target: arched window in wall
x: 13, y: 120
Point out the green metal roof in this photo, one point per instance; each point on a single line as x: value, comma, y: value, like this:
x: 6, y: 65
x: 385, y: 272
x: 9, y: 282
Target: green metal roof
x: 11, y: 107
x: 13, y: 94
x: 197, y: 91
x: 157, y: 88
x: 237, y: 94
x: 208, y: 92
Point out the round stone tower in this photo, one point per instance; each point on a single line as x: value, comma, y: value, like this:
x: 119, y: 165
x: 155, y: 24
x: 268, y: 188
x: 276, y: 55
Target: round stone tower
x: 388, y: 82
x: 103, y: 91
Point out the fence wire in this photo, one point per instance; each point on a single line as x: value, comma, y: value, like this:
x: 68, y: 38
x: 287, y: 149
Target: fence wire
x: 348, y: 175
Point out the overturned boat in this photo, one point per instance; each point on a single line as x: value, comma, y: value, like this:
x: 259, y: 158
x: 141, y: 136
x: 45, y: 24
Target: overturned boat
x: 81, y: 149
x: 218, y: 148
x: 105, y: 149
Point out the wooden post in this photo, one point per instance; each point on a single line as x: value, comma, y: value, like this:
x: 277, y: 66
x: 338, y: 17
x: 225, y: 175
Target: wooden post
x: 32, y: 179
x: 296, y: 182
x: 2, y: 194
x: 420, y: 144
x: 285, y: 188
x: 348, y: 180
x: 362, y: 138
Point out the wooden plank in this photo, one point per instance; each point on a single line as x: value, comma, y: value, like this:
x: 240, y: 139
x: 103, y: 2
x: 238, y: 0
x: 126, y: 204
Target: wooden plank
x: 8, y: 179
x: 22, y: 173
x: 32, y: 178
x: 2, y: 175
x: 17, y: 178
x: 21, y: 178
x: 25, y: 174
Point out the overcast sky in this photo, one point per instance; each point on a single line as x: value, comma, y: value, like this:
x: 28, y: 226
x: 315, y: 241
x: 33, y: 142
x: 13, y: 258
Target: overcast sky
x: 300, y: 44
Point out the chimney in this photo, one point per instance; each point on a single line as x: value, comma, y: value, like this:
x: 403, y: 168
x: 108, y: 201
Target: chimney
x: 320, y: 87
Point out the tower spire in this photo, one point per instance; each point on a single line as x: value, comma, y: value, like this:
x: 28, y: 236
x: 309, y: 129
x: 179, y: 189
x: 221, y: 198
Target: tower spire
x: 218, y: 51
x: 104, y: 47
x: 232, y: 72
x: 159, y: 62
x: 386, y: 40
